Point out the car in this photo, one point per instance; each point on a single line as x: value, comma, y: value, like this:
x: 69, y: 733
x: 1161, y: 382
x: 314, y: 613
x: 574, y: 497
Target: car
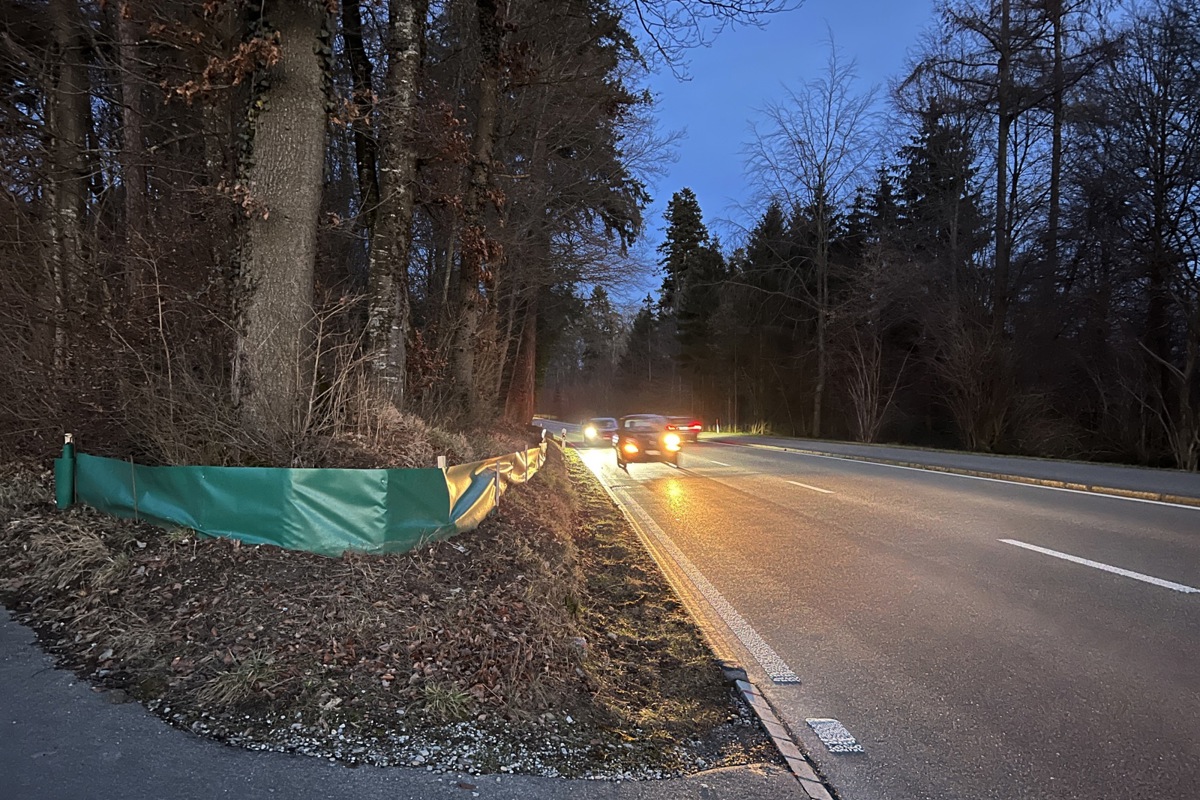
x: 599, y: 431
x: 646, y: 438
x: 689, y: 427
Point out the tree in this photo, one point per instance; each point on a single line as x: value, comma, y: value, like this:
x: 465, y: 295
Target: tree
x: 684, y: 239
x: 388, y: 200
x: 478, y: 253
x: 815, y: 150
x: 1146, y: 140
x: 68, y: 124
x: 279, y: 250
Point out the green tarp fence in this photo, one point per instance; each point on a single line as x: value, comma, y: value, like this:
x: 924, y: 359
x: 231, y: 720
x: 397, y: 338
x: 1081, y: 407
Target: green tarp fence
x: 325, y: 511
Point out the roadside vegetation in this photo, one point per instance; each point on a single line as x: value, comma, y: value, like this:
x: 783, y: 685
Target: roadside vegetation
x: 544, y: 642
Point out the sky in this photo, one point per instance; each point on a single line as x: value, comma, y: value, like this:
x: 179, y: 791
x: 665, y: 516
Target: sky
x: 746, y: 69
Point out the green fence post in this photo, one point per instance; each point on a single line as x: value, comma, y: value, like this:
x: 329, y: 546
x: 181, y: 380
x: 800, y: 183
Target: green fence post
x: 64, y: 474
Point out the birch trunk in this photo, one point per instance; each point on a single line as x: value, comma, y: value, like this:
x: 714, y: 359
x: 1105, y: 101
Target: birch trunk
x: 388, y: 319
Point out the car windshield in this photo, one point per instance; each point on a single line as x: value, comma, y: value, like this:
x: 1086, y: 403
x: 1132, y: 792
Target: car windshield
x: 644, y: 423
x: 603, y: 422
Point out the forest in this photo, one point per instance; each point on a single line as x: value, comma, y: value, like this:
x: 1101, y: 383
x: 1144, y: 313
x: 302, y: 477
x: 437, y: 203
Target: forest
x: 242, y: 233
x: 1015, y: 272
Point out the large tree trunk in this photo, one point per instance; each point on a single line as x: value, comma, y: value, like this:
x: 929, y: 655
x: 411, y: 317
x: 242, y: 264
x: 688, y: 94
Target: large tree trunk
x: 279, y: 249
x: 388, y: 319
x: 133, y: 167
x: 68, y: 130
x: 474, y: 249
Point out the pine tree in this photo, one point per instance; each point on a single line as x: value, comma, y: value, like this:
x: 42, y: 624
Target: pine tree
x: 686, y: 236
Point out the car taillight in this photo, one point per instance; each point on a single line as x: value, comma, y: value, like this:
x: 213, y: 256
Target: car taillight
x: 695, y: 426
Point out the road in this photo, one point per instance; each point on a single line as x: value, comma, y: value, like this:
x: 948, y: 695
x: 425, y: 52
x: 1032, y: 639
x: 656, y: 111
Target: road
x: 942, y: 621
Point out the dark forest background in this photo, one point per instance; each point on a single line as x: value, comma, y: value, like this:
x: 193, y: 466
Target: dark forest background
x: 999, y: 255
x: 245, y: 232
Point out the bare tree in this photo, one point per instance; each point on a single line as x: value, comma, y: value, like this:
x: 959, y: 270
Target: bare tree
x: 815, y: 149
x: 676, y: 26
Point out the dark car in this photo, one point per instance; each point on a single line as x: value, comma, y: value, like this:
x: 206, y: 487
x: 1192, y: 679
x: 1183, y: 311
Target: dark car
x: 646, y: 438
x: 599, y: 431
x: 688, y: 427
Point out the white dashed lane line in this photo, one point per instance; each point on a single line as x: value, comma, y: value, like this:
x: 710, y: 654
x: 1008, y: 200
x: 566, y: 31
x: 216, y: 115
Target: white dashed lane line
x: 1178, y: 587
x: 814, y: 488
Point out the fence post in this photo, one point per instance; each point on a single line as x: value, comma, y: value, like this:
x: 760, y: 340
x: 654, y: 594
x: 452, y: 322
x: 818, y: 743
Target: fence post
x: 442, y: 463
x: 64, y: 474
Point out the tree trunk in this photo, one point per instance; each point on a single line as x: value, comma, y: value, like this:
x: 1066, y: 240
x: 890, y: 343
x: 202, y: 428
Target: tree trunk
x: 133, y: 167
x: 388, y: 320
x: 822, y: 313
x: 519, y: 405
x: 1005, y: 113
x: 365, y: 149
x: 1056, y: 150
x: 68, y: 114
x: 279, y: 249
x: 474, y: 243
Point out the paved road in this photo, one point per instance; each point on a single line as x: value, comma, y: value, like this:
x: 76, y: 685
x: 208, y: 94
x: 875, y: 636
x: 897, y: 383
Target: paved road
x: 914, y: 611
x: 1134, y: 479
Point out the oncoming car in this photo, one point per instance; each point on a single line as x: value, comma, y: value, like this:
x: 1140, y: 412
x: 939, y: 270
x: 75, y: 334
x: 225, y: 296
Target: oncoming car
x: 646, y: 438
x: 599, y: 430
x: 688, y: 427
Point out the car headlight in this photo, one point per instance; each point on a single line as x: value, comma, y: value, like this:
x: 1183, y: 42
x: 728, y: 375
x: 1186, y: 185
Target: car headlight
x: 671, y: 441
x: 590, y: 431
x: 630, y: 447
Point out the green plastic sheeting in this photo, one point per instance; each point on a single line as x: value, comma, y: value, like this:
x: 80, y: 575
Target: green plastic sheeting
x: 325, y: 511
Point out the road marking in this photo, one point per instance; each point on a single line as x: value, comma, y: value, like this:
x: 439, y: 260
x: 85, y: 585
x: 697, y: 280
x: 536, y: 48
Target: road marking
x: 972, y: 477
x: 714, y: 461
x: 814, y: 488
x: 834, y: 735
x: 1178, y: 587
x: 775, y: 667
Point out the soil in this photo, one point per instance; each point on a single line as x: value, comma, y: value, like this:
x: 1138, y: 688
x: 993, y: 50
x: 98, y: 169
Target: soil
x: 544, y: 642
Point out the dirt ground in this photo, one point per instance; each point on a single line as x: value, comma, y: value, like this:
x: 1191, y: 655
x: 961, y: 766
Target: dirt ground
x: 545, y: 642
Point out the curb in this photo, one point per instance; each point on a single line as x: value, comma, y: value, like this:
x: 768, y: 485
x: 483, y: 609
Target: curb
x: 1133, y: 494
x: 797, y: 764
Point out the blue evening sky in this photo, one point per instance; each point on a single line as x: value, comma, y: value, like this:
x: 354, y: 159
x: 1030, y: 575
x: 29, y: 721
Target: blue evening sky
x: 743, y: 71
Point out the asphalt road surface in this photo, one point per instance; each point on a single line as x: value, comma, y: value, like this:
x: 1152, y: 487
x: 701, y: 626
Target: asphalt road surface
x: 977, y: 639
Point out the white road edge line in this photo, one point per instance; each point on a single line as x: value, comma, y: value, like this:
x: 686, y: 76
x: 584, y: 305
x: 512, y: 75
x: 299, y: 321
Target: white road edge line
x: 775, y: 667
x: 981, y: 478
x: 814, y: 488
x: 714, y: 461
x: 1178, y: 587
